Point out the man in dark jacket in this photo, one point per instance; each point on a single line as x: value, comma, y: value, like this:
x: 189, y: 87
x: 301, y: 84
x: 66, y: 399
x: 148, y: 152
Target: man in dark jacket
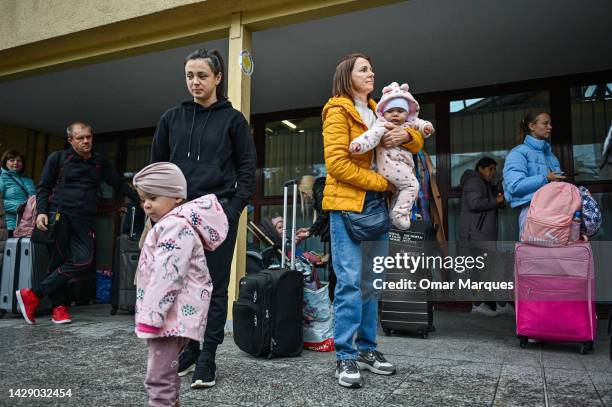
x: 480, y: 201
x: 69, y: 184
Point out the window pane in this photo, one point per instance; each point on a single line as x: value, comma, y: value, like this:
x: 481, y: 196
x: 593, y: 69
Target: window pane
x: 604, y: 200
x: 454, y: 214
x: 591, y: 116
x: 487, y: 126
x: 294, y: 148
x: 109, y: 150
x: 138, y: 155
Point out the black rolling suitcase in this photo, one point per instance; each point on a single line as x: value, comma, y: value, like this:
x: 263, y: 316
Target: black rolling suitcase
x: 408, y: 310
x: 127, y: 253
x: 268, y: 312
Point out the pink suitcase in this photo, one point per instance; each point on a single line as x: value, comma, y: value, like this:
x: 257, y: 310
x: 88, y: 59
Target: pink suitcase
x: 555, y: 294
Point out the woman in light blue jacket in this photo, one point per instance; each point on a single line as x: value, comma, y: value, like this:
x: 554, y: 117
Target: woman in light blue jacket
x: 531, y: 164
x: 15, y: 188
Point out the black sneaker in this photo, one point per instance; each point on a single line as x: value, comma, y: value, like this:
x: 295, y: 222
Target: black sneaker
x: 187, y: 358
x: 348, y: 374
x: 205, y: 373
x: 375, y: 362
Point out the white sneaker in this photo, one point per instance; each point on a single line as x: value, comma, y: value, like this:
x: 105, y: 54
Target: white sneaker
x: 348, y: 374
x: 483, y: 309
x: 506, y: 309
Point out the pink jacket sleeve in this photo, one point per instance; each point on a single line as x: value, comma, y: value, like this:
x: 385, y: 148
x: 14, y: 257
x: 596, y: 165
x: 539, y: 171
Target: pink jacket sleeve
x: 370, y: 138
x: 215, y: 224
x: 170, y: 265
x: 419, y: 124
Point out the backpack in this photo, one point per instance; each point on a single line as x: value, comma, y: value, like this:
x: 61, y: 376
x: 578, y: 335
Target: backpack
x: 550, y: 214
x: 26, y: 222
x: 591, y: 214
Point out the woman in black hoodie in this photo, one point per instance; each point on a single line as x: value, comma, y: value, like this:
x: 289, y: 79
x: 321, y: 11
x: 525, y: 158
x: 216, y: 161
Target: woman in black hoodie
x: 211, y: 142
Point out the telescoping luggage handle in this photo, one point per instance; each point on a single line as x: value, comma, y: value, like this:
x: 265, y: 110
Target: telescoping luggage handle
x: 285, y: 190
x: 132, y: 223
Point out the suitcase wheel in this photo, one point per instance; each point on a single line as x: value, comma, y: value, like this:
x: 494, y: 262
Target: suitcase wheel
x: 387, y: 331
x: 113, y: 310
x: 523, y: 341
x: 2, y: 313
x: 424, y: 334
x: 586, y: 347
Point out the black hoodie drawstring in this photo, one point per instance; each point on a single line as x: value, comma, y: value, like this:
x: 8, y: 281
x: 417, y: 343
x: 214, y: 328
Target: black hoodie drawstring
x: 203, y: 132
x: 191, y: 132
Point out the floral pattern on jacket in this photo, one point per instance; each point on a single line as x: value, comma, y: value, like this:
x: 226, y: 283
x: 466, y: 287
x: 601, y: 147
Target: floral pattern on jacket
x: 174, y: 285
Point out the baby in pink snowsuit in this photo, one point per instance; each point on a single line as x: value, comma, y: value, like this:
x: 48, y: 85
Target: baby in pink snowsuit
x: 173, y: 283
x: 399, y: 107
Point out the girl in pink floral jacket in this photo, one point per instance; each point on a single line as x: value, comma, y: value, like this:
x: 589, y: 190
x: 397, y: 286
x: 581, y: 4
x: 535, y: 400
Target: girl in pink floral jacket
x: 173, y: 283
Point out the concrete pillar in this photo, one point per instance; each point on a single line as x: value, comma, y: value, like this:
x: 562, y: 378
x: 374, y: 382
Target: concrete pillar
x: 239, y: 93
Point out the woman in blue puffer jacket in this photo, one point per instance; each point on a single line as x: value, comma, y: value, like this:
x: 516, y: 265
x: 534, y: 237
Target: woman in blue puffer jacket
x: 15, y: 188
x: 531, y: 164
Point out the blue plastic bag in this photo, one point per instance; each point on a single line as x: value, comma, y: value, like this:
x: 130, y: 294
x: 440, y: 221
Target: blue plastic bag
x: 103, y: 288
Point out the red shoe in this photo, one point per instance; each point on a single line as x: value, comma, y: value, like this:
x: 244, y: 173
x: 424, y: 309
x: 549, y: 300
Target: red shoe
x: 28, y: 302
x: 60, y: 315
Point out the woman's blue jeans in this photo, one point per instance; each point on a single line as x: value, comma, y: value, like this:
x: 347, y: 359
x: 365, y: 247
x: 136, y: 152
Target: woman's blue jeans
x: 355, y: 301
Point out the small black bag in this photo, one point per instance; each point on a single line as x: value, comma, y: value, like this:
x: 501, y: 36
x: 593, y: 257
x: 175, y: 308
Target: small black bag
x: 370, y: 223
x: 48, y: 236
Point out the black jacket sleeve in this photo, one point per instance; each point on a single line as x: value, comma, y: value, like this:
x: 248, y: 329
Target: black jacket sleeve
x: 476, y: 196
x: 110, y: 176
x: 245, y: 159
x: 48, y: 180
x: 160, y: 149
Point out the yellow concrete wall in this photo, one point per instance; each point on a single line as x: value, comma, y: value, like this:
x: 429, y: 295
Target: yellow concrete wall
x: 38, y: 36
x: 28, y: 21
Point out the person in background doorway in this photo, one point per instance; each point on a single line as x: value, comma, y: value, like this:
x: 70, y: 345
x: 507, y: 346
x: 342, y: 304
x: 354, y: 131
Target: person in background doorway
x: 531, y: 164
x: 480, y: 201
x: 15, y: 188
x: 211, y: 143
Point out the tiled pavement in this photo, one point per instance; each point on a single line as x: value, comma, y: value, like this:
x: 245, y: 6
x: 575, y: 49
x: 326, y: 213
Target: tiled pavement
x: 468, y: 361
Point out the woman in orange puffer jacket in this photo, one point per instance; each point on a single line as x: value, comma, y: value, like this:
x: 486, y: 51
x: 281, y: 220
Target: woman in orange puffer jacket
x: 351, y: 182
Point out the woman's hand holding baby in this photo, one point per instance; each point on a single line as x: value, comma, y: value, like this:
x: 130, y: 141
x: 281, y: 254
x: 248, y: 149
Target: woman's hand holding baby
x: 395, y: 136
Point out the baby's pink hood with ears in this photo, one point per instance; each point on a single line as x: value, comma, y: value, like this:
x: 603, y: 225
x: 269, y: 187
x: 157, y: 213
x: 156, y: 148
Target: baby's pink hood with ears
x: 394, y: 90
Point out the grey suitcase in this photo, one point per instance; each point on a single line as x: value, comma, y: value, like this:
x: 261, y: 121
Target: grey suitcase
x: 25, y: 264
x: 127, y: 254
x: 408, y: 310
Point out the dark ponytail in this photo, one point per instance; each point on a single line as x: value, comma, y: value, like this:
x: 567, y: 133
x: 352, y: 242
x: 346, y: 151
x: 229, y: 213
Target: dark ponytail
x: 215, y: 61
x: 530, y: 117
